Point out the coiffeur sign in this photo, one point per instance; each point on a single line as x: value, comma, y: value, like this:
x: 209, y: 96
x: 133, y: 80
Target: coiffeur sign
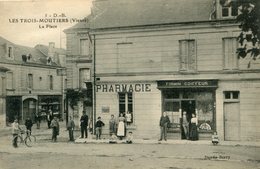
x: 188, y: 84
x: 138, y: 87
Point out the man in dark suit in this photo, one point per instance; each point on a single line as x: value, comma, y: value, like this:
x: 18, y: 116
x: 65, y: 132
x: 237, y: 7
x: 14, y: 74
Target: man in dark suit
x: 84, y: 125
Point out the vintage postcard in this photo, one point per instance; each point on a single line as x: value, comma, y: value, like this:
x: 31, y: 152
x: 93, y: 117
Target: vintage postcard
x: 145, y: 84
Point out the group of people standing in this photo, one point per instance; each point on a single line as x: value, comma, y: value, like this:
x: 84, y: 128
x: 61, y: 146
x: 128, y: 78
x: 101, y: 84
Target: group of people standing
x: 189, y: 127
x: 116, y: 126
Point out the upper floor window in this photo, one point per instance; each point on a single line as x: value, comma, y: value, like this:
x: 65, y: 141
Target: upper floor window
x: 230, y: 10
x: 30, y: 81
x: 188, y: 56
x: 84, y: 47
x: 125, y: 61
x: 230, y: 60
x: 9, y: 82
x: 84, y: 76
x: 51, y: 82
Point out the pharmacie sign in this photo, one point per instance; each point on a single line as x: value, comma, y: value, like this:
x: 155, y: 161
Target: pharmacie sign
x: 188, y: 84
x: 138, y: 87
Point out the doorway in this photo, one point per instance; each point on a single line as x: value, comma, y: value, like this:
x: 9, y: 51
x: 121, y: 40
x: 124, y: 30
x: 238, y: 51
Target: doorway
x: 232, y: 121
x: 189, y: 107
x: 29, y: 109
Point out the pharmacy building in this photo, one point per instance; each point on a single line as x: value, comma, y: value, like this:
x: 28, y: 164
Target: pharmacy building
x: 173, y: 57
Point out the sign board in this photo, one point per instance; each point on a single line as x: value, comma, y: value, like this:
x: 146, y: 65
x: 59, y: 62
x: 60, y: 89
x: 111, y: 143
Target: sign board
x: 187, y: 84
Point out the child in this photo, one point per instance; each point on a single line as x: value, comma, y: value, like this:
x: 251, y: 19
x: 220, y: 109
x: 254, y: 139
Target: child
x: 15, y: 131
x: 215, y: 138
x: 28, y: 124
x: 99, y: 125
x: 129, y: 139
x: 113, y: 139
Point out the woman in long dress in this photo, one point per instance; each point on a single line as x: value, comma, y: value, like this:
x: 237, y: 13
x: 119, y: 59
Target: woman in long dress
x: 194, y: 130
x: 112, y: 125
x: 121, y: 126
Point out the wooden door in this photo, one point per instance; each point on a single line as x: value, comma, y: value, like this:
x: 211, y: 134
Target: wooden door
x: 232, y: 121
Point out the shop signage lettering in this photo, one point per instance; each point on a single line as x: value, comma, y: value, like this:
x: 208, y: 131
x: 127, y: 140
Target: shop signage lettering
x: 187, y: 83
x: 139, y: 87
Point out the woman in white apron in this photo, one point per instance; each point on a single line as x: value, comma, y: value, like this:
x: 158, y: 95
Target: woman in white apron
x: 121, y: 126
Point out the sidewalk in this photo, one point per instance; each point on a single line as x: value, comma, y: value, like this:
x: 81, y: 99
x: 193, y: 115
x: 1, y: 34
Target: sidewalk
x: 44, y: 134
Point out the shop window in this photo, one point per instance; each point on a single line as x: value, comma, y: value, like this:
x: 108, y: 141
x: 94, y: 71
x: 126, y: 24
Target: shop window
x: 84, y: 47
x: 229, y: 51
x: 231, y: 95
x: 9, y: 82
x: 51, y: 82
x: 205, y: 109
x: 188, y: 55
x: 30, y: 81
x: 84, y: 77
x: 188, y: 95
x: 125, y: 102
x: 171, y: 94
x: 173, y: 106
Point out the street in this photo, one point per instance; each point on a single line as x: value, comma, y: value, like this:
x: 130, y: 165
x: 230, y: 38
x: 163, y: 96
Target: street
x: 67, y: 155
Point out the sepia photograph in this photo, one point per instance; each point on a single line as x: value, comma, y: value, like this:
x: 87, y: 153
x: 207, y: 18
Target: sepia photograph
x: 135, y: 84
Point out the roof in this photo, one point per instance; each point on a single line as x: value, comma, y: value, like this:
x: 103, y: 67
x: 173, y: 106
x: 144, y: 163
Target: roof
x: 19, y: 50
x: 44, y: 49
x: 125, y: 13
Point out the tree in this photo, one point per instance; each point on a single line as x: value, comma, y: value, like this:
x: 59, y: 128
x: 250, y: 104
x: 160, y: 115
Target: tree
x: 249, y: 19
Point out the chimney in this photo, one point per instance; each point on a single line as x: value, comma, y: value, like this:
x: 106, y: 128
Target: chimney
x: 51, y: 49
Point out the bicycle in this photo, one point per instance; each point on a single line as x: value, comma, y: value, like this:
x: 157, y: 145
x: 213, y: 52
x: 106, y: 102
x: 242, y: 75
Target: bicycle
x: 29, y: 139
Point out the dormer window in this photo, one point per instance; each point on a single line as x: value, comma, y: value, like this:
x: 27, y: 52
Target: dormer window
x: 9, y: 52
x: 229, y: 10
x: 49, y: 60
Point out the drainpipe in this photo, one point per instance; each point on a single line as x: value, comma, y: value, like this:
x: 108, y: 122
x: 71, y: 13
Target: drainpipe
x: 94, y: 84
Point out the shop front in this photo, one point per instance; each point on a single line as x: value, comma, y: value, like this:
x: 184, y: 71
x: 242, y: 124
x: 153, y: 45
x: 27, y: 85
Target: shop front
x: 50, y: 104
x: 193, y: 97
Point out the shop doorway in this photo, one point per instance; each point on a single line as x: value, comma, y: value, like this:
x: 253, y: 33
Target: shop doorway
x: 29, y: 109
x: 189, y: 107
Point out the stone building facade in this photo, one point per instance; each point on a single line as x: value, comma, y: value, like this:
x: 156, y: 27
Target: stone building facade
x: 32, y: 82
x: 172, y: 56
x: 79, y: 68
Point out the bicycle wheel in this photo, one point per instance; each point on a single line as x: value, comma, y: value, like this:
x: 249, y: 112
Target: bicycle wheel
x: 30, y: 141
x: 19, y: 141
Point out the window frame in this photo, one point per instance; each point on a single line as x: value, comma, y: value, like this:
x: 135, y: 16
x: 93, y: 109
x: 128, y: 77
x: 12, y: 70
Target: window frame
x: 30, y: 80
x: 230, y: 59
x: 126, y: 102
x: 188, y: 57
x: 230, y: 11
x: 9, y: 52
x: 11, y: 80
x: 81, y: 49
x: 231, y: 99
x: 51, y: 82
x: 81, y: 80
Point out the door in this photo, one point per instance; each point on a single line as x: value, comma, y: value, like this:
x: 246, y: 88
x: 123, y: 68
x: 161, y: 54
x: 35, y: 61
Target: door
x: 232, y: 121
x: 29, y: 109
